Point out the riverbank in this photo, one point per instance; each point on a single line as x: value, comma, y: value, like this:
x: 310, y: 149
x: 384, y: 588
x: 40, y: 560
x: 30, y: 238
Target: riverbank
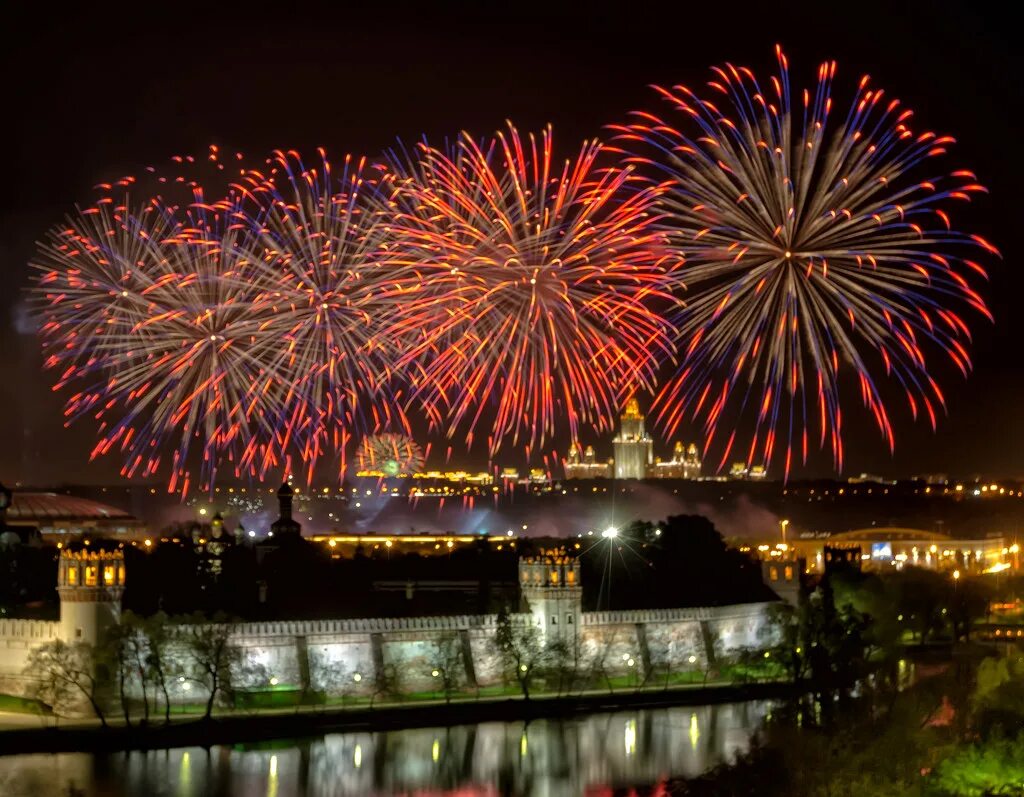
x: 304, y: 721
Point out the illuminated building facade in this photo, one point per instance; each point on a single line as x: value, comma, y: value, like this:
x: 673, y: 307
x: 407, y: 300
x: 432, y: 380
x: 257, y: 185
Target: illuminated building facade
x: 685, y: 464
x: 883, y: 548
x: 587, y: 466
x: 90, y: 586
x: 634, y: 455
x: 634, y: 448
x: 550, y: 585
x: 739, y: 470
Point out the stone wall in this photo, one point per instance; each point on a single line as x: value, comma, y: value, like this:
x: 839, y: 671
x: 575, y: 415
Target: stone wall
x: 346, y: 656
x: 17, y: 638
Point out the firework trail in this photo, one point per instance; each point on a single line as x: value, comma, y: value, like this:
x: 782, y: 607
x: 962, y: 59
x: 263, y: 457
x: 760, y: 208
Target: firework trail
x: 538, y: 285
x: 147, y: 313
x: 255, y: 329
x: 333, y: 300
x: 817, y: 247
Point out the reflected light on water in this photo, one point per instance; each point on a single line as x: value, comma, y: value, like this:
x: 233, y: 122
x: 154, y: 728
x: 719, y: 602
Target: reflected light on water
x: 635, y: 750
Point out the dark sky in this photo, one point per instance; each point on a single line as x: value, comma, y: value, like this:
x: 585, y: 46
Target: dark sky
x: 105, y: 90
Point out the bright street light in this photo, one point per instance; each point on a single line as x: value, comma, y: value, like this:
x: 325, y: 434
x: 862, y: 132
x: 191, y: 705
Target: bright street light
x: 610, y: 532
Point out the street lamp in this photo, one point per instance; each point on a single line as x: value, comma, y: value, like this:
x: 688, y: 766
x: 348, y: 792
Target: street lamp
x: 783, y: 523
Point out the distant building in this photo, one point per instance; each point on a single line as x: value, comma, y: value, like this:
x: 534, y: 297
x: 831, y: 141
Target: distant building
x: 57, y: 517
x: 868, y: 478
x: 685, y: 464
x: 634, y: 455
x: 740, y: 470
x: 634, y: 448
x: 587, y: 466
x: 932, y: 479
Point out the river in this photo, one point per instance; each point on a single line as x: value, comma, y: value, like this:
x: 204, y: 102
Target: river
x: 589, y: 755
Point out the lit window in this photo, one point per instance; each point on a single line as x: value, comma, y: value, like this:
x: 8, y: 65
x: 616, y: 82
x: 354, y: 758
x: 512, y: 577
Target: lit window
x: 789, y: 573
x: 554, y: 576
x: 90, y: 576
x: 570, y: 577
x: 108, y: 575
x: 120, y: 574
x: 73, y: 575
x: 773, y: 574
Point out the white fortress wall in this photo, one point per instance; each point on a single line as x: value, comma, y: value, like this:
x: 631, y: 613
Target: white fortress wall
x: 356, y: 656
x: 17, y: 639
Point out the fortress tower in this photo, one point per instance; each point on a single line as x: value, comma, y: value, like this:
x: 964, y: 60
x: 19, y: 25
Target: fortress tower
x: 550, y: 584
x: 90, y: 585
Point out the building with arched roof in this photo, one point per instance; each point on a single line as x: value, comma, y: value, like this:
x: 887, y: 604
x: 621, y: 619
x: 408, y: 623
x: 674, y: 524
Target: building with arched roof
x: 57, y: 516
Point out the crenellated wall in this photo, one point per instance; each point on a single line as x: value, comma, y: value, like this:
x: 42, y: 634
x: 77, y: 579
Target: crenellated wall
x: 360, y: 656
x: 17, y: 639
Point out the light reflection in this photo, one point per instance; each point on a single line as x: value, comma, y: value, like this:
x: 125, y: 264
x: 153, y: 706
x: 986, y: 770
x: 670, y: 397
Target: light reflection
x: 554, y: 756
x: 272, y: 778
x: 630, y: 735
x: 185, y: 774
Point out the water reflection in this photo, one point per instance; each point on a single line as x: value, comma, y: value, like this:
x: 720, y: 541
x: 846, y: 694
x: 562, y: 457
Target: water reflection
x: 546, y: 757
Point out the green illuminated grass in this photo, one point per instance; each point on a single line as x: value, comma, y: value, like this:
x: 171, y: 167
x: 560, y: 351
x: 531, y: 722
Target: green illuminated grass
x: 23, y: 705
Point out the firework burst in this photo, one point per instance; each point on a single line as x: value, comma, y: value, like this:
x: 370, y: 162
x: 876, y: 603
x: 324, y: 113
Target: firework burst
x: 147, y: 313
x: 815, y: 247
x: 330, y: 295
x: 537, y: 284
x: 391, y: 454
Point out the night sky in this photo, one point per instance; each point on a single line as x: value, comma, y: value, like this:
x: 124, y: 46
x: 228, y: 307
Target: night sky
x: 100, y: 92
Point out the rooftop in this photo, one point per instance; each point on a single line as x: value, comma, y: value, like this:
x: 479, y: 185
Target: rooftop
x: 29, y: 507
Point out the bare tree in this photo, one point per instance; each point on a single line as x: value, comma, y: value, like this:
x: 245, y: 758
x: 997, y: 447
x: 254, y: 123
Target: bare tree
x: 446, y: 662
x: 387, y: 681
x: 64, y: 671
x: 116, y: 648
x: 327, y: 676
x: 563, y: 665
x: 599, y: 664
x: 161, y: 667
x: 520, y: 649
x: 214, y: 659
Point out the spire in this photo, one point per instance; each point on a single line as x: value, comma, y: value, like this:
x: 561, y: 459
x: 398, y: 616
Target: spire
x: 284, y: 501
x: 285, y: 525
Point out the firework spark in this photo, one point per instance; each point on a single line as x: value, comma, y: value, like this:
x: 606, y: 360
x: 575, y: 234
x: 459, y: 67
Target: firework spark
x: 332, y: 297
x: 538, y: 284
x: 147, y: 314
x: 815, y: 247
x: 391, y: 454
